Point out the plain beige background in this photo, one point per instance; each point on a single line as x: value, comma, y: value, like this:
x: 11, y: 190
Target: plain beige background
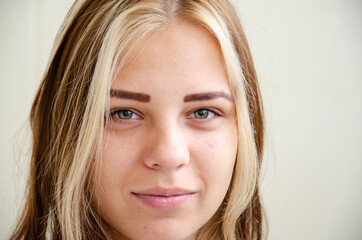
x: 309, y: 59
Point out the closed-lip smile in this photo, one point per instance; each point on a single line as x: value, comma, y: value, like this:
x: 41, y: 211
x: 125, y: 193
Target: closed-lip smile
x: 164, y: 198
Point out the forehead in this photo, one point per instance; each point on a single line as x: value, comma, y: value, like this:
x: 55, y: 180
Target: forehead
x: 183, y: 55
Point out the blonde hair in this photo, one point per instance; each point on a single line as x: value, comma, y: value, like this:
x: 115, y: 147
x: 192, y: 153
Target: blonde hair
x: 67, y: 116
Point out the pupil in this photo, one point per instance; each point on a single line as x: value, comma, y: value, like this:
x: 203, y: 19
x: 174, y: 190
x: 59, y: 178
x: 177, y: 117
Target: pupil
x: 202, y: 114
x: 125, y: 114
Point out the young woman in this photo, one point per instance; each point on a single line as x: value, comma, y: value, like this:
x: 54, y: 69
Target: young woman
x: 147, y: 125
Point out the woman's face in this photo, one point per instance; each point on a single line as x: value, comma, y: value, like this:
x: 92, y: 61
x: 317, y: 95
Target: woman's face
x: 169, y: 152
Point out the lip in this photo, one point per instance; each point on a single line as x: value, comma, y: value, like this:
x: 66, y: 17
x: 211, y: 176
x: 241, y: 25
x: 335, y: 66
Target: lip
x: 164, y: 198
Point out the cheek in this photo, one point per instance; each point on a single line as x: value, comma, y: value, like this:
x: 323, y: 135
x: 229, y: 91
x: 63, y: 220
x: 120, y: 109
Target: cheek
x: 219, y: 146
x: 116, y: 165
x: 211, y: 143
x: 116, y: 162
x: 119, y: 150
x: 215, y: 156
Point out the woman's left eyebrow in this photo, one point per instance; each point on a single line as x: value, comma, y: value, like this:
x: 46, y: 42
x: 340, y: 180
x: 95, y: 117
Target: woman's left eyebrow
x: 208, y: 96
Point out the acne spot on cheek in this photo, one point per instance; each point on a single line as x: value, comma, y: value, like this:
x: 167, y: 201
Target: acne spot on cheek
x: 211, y: 143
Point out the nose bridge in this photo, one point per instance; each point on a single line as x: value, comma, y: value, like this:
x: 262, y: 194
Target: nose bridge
x: 167, y: 147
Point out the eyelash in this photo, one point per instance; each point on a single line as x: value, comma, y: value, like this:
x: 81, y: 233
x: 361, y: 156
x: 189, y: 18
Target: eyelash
x: 114, y: 114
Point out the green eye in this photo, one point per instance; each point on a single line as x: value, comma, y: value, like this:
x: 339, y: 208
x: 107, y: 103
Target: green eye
x: 201, y: 114
x: 124, y: 114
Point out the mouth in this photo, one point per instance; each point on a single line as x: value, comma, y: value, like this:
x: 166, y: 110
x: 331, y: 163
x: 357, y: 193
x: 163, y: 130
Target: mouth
x: 164, y: 198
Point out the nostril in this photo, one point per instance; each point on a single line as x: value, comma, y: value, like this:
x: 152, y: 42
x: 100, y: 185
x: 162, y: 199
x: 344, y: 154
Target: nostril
x: 155, y: 165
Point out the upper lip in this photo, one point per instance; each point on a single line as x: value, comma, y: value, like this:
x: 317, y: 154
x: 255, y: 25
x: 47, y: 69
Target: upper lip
x: 162, y: 191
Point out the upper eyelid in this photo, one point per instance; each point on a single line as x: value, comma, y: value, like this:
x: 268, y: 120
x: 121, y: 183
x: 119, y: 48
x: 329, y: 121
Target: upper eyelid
x: 216, y: 111
x: 113, y: 110
x: 211, y: 109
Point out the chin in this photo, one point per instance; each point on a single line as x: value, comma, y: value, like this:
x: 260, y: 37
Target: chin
x: 159, y: 232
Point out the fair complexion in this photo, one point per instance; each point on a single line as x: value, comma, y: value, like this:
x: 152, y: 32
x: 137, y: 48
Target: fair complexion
x: 169, y: 151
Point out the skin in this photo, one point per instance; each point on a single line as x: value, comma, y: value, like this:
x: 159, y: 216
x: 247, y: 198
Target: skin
x: 165, y: 143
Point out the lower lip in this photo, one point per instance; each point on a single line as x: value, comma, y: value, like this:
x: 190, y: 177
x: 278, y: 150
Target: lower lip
x: 164, y: 202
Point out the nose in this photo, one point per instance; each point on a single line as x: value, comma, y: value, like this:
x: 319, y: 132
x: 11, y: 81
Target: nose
x: 166, y: 148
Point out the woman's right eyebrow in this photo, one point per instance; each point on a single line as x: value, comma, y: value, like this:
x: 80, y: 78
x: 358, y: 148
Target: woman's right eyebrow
x: 140, y: 97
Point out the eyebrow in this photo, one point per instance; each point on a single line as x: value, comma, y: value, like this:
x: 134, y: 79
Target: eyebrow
x: 140, y: 97
x: 207, y: 96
